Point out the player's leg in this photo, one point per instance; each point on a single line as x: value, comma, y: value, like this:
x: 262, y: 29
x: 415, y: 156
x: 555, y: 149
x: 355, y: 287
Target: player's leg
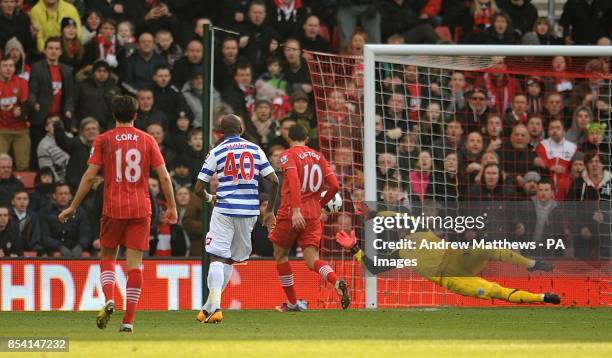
x: 282, y: 238
x: 133, y: 287
x: 108, y: 256
x: 218, y: 246
x: 480, y: 288
x: 309, y: 241
x: 136, y: 241
x: 314, y: 263
x: 110, y: 230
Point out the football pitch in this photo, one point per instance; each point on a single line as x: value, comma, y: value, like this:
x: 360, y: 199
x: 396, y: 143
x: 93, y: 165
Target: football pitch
x: 452, y: 332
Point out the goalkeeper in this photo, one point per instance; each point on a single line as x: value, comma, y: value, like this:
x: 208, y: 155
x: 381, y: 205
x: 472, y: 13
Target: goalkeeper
x: 456, y: 270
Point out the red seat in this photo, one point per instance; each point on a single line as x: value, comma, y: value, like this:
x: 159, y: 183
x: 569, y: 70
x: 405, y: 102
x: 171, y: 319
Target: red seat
x: 27, y: 178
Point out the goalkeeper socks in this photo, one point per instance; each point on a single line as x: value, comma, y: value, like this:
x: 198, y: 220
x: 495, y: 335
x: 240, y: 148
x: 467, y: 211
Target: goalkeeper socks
x: 107, y: 277
x: 215, y: 284
x: 134, y: 285
x: 285, y: 276
x: 325, y: 271
x: 518, y: 296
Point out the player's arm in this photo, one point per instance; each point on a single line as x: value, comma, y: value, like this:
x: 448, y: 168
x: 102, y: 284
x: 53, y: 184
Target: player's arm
x: 166, y: 186
x: 200, y: 190
x: 273, y: 193
x: 295, y: 192
x: 267, y: 171
x: 295, y: 196
x: 87, y: 181
x: 268, y: 217
x: 332, y: 182
x: 349, y: 242
x: 208, y: 170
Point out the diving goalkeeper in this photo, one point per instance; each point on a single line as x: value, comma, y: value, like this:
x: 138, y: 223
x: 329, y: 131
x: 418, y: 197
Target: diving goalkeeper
x: 456, y: 270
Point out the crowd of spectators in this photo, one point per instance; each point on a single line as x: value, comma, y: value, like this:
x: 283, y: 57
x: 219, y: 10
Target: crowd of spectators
x: 64, y: 60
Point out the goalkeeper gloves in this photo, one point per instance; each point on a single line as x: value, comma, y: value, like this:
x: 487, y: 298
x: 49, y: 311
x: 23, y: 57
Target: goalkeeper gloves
x: 346, y: 240
x: 349, y: 242
x: 541, y: 266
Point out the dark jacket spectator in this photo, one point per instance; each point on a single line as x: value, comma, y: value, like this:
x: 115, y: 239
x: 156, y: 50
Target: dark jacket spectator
x: 586, y: 21
x: 26, y: 223
x: 168, y: 98
x: 141, y: 64
x: 295, y: 68
x: 183, y: 67
x: 93, y: 95
x: 157, y: 131
x: 288, y: 19
x: 15, y: 23
x: 151, y: 16
x: 78, y: 147
x: 44, y: 184
x: 310, y: 38
x: 8, y: 182
x: 225, y: 63
x: 10, y: 243
x: 241, y: 93
x: 147, y: 111
x: 43, y: 90
x: 396, y: 18
x: 107, y: 9
x: 260, y: 39
x: 70, y: 238
x: 523, y: 14
x: 500, y: 33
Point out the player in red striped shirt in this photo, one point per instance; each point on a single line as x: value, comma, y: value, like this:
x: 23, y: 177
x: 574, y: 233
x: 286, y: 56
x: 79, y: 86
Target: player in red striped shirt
x: 299, y: 216
x: 125, y: 155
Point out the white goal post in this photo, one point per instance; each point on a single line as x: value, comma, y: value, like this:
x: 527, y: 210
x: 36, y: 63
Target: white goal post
x: 394, y: 54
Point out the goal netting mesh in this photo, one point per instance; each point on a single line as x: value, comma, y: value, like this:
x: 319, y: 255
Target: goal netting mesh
x: 443, y: 125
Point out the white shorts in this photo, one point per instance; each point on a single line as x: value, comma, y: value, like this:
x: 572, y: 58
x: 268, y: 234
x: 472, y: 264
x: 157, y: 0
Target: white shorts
x: 229, y: 237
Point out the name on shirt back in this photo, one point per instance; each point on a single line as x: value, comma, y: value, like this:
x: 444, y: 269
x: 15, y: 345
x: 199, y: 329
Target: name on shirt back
x: 126, y: 136
x: 236, y: 146
x: 303, y: 155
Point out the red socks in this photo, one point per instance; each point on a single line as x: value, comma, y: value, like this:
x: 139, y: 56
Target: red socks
x: 325, y: 271
x: 107, y: 277
x: 285, y: 276
x: 134, y: 284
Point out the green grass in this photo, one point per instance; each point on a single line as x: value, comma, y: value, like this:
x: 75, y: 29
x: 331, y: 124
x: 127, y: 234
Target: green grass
x: 512, y: 332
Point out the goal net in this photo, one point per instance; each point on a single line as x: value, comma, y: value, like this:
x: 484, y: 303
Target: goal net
x: 510, y: 131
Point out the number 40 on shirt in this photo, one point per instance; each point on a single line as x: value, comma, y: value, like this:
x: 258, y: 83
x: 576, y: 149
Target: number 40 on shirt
x: 240, y: 171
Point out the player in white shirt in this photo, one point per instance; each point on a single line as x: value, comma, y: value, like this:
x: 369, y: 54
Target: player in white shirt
x: 238, y: 165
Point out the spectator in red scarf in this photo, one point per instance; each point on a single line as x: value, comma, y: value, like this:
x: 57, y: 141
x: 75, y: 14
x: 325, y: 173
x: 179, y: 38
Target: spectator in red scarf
x: 72, y: 50
x: 105, y: 46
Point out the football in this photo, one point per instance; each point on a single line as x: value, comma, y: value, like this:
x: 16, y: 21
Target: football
x: 334, y: 205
